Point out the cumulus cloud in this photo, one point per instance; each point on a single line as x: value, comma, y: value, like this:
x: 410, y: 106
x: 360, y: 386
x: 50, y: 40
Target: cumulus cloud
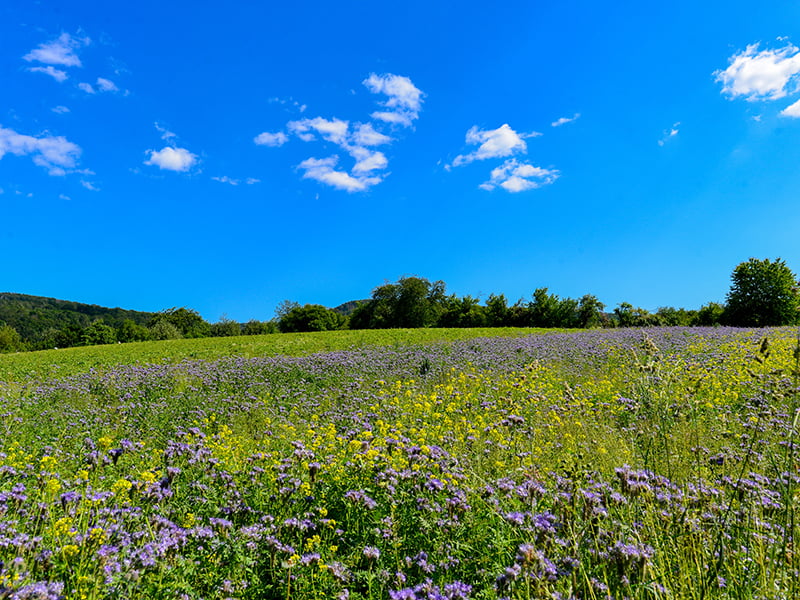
x: 367, y: 160
x: 793, y: 110
x: 335, y: 130
x: 402, y: 106
x: 494, y: 143
x: 323, y: 170
x: 106, y: 85
x: 60, y: 51
x: 57, y: 74
x: 89, y: 186
x: 54, y: 153
x: 271, y: 139
x: 761, y: 75
x: 365, y: 135
x: 60, y: 110
x: 514, y: 176
x: 565, y: 120
x: 405, y: 99
x: 172, y: 159
x: 86, y: 87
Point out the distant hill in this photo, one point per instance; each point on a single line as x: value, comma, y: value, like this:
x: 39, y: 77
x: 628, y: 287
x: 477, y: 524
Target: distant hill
x: 34, y: 316
x: 347, y: 308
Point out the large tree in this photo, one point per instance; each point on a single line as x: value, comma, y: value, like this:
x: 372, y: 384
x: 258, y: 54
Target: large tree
x: 411, y: 302
x: 763, y: 293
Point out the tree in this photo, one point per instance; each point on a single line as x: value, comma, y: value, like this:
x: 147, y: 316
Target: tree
x: 187, y: 321
x: 226, y: 327
x: 311, y: 317
x: 131, y: 331
x: 712, y: 313
x: 98, y: 333
x: 763, y: 293
x: 411, y: 302
x: 164, y: 330
x: 497, y: 311
x: 462, y: 312
x: 590, y: 311
x: 10, y: 340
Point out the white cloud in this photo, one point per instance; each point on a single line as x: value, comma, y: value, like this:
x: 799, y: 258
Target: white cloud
x: 57, y: 74
x: 764, y: 75
x: 404, y: 98
x: 89, y: 186
x: 514, y: 176
x: 60, y: 110
x: 322, y: 170
x: 271, y: 139
x: 64, y: 197
x: 106, y: 85
x: 172, y: 159
x: 565, y: 120
x: 226, y: 179
x: 368, y: 160
x: 60, y: 51
x: 402, y: 106
x: 234, y: 182
x: 334, y: 130
x: 494, y: 143
x: 86, y: 88
x: 166, y: 134
x: 365, y: 135
x: 793, y: 110
x: 669, y: 133
x: 54, y: 153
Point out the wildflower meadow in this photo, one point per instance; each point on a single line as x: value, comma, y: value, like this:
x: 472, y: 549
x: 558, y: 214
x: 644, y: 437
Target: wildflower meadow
x: 642, y: 464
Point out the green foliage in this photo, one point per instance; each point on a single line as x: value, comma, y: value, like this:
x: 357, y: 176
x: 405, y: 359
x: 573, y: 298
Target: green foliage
x: 50, y: 323
x: 10, y: 340
x: 255, y: 327
x: 187, y: 321
x: 411, y: 302
x: 590, y: 311
x: 462, y: 312
x: 311, y: 317
x: 226, y: 327
x: 675, y: 317
x: 497, y: 313
x: 712, y: 313
x: 98, y: 333
x: 164, y: 330
x: 629, y: 316
x: 763, y: 293
x: 131, y: 331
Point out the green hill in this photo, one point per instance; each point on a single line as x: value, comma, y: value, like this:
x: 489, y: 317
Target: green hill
x: 39, y: 320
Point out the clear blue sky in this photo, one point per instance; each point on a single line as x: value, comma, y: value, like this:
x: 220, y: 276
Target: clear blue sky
x: 227, y: 156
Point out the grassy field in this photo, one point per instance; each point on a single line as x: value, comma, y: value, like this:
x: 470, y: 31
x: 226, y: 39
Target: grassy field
x: 69, y: 361
x: 589, y: 464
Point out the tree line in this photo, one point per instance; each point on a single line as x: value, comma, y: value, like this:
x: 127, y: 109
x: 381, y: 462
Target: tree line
x: 762, y: 293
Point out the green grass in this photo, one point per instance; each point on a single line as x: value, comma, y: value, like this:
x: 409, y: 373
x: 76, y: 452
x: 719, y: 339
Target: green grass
x: 45, y: 364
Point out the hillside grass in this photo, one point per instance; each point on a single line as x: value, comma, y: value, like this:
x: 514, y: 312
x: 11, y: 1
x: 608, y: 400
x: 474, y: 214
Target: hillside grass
x: 45, y: 364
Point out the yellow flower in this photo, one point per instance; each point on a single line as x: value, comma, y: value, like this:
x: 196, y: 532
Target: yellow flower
x: 47, y: 463
x: 62, y: 526
x: 53, y: 486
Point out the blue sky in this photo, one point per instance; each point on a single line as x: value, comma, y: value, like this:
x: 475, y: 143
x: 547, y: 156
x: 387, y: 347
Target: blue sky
x: 227, y: 156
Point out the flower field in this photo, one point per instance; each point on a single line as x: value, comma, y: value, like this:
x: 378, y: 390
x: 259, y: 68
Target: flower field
x: 592, y: 464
